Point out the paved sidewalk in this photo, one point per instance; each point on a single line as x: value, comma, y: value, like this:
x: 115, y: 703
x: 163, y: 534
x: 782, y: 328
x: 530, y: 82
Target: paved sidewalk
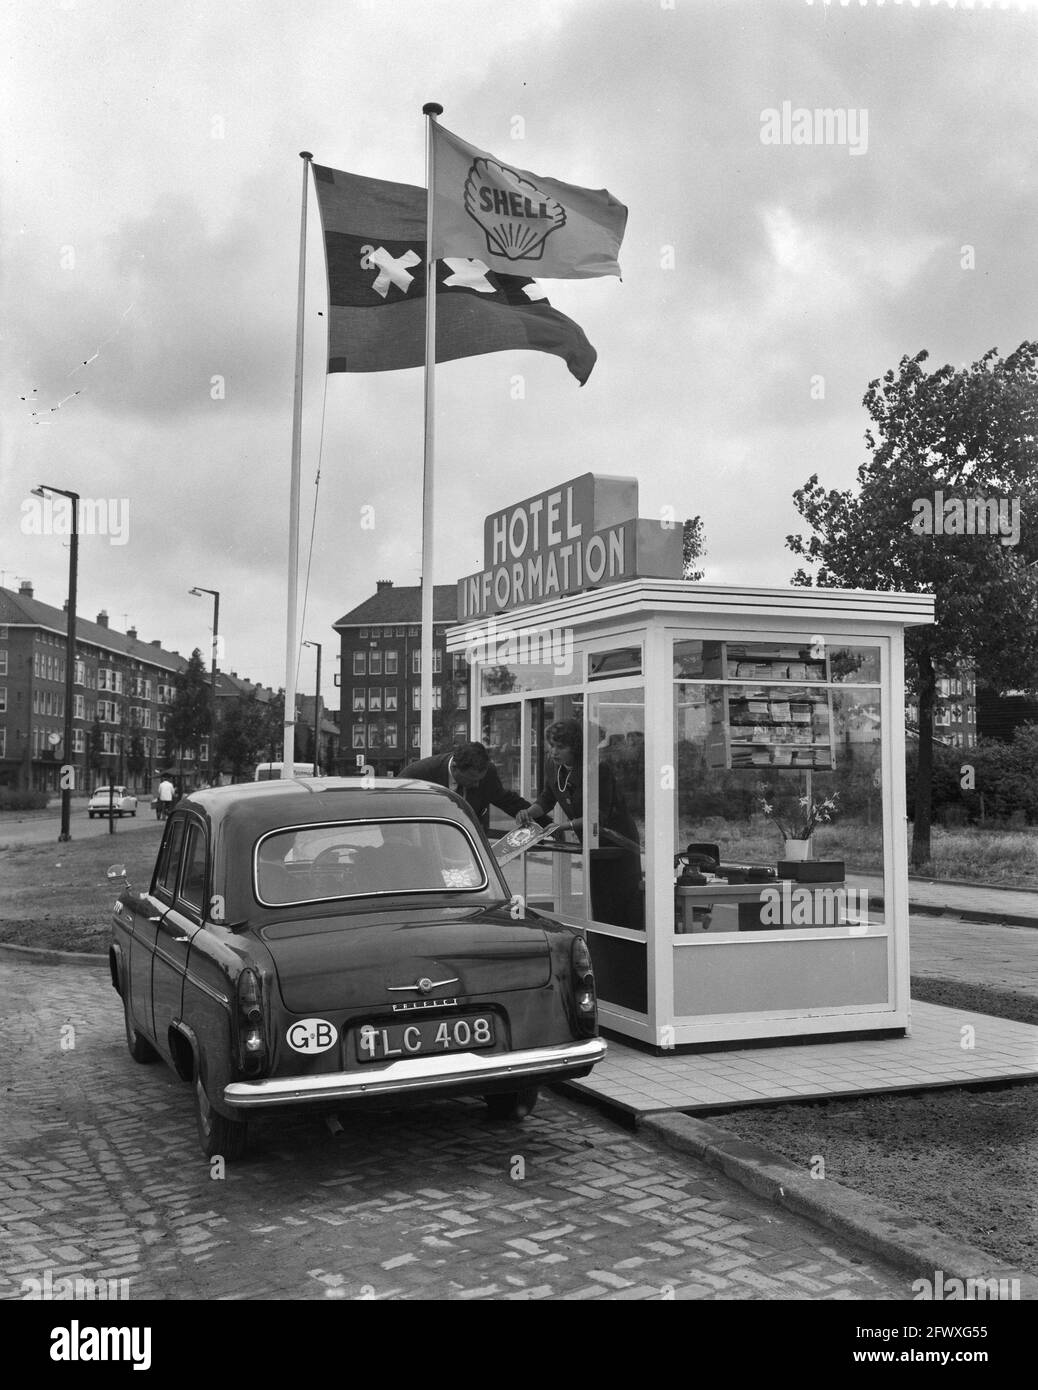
x: 973, y: 902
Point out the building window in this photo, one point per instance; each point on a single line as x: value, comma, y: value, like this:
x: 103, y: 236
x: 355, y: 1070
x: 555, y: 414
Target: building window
x: 3, y: 633
x: 390, y: 735
x: 79, y: 740
x: 360, y: 663
x: 359, y: 701
x: 416, y: 663
x: 390, y: 663
x: 35, y: 701
x: 463, y: 696
x: 3, y: 661
x: 375, y: 699
x: 80, y: 673
x: 416, y: 738
x: 416, y: 697
x: 376, y: 632
x: 375, y: 664
x: 437, y: 662
x: 358, y: 736
x: 390, y: 698
x: 400, y: 632
x: 363, y: 632
x: 437, y: 697
x: 412, y: 632
x: 3, y: 699
x: 373, y: 736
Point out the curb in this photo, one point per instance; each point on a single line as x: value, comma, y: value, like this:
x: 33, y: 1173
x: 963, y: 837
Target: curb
x: 906, y: 1243
x: 1005, y: 919
x: 40, y: 956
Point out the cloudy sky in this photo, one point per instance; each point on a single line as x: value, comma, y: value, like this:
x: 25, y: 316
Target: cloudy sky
x: 150, y: 227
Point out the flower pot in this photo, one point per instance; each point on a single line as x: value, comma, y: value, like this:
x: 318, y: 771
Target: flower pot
x: 798, y: 850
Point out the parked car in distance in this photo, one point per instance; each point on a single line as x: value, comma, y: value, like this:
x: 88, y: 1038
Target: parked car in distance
x: 322, y: 943
x: 118, y: 801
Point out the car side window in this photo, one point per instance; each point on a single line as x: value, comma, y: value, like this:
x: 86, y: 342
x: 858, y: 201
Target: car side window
x: 169, y: 860
x: 192, y: 881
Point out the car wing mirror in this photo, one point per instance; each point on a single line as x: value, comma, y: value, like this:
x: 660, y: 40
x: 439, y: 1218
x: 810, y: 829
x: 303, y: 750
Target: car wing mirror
x: 116, y: 873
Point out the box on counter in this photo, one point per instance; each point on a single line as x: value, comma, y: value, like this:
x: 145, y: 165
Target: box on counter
x: 812, y: 870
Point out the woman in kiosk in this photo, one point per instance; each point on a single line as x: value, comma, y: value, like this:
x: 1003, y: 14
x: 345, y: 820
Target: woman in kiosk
x: 616, y: 868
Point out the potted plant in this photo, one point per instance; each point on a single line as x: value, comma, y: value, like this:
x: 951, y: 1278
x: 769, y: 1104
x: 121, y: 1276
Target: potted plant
x: 797, y: 829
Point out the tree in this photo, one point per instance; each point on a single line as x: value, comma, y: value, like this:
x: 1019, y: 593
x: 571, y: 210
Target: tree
x: 692, y: 548
x: 95, y: 747
x: 966, y: 434
x: 243, y: 736
x: 189, y: 718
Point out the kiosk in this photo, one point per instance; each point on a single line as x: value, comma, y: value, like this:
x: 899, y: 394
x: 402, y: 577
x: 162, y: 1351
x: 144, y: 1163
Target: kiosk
x: 699, y: 706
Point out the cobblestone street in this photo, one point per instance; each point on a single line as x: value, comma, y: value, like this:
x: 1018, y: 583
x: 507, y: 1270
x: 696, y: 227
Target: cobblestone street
x: 102, y: 1178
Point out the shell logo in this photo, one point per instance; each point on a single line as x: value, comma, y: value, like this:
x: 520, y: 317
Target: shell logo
x: 310, y: 1035
x: 516, y: 217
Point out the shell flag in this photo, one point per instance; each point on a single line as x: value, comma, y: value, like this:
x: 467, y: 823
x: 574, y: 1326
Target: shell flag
x: 517, y: 222
x: 374, y: 242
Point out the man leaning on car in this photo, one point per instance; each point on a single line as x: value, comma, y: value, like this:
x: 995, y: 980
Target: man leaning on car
x: 469, y: 772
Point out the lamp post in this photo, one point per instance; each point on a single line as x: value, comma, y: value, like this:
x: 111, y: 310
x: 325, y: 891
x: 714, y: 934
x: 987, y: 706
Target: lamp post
x: 198, y: 591
x: 70, y: 652
x: 317, y: 711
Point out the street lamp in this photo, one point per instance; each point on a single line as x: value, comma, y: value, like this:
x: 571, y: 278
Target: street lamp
x: 317, y: 711
x: 198, y: 591
x: 70, y: 652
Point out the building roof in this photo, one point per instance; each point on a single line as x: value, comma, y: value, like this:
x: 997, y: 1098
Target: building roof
x: 19, y: 610
x: 390, y: 604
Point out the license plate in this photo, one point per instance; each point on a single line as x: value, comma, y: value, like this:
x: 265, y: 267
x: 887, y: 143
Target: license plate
x: 424, y: 1038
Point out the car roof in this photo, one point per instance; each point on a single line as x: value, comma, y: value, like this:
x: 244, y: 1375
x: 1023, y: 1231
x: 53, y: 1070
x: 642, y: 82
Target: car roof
x: 302, y: 800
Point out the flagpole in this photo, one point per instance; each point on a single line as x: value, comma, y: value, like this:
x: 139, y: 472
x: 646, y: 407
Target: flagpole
x: 431, y: 109
x: 289, y: 750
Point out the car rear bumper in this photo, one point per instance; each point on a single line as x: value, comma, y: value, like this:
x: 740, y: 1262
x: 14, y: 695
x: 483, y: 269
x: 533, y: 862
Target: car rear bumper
x: 420, y: 1074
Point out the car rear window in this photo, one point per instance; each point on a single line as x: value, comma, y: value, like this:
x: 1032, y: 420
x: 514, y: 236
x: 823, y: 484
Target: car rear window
x: 356, y: 859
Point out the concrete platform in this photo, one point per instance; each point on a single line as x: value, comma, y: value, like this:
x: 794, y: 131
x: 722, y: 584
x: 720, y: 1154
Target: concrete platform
x: 947, y: 1047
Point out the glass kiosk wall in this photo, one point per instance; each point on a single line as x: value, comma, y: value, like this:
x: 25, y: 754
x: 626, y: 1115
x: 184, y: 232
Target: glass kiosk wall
x: 714, y: 732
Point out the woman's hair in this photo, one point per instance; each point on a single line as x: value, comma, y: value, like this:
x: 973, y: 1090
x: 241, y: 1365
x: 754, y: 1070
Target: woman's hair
x: 567, y: 733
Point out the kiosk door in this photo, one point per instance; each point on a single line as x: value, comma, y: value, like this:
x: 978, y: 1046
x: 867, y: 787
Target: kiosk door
x: 614, y: 835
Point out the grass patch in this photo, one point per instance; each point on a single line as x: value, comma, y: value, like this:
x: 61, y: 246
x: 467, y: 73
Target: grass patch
x: 58, y: 896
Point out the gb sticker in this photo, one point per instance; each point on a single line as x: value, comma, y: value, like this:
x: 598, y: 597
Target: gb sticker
x: 311, y: 1035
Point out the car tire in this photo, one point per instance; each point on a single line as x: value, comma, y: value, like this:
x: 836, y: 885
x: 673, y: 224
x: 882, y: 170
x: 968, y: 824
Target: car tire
x: 140, y: 1048
x: 133, y: 813
x: 512, y: 1105
x: 217, y: 1135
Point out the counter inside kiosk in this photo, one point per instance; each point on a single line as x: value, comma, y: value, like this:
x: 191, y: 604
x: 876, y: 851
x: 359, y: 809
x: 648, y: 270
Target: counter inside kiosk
x: 710, y: 718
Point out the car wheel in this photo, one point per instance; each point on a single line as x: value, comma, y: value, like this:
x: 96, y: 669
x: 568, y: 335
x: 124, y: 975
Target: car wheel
x: 140, y: 1048
x: 512, y: 1105
x: 216, y: 1134
x: 133, y: 813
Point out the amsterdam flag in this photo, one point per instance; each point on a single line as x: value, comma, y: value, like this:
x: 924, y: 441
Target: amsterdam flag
x: 374, y: 238
x: 518, y: 222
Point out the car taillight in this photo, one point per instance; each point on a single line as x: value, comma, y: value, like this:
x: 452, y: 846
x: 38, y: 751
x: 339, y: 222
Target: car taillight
x: 252, y: 1038
x: 585, y: 1003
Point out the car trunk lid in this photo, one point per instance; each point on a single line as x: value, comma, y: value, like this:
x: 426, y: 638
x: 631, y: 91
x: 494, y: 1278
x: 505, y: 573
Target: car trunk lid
x: 378, y: 958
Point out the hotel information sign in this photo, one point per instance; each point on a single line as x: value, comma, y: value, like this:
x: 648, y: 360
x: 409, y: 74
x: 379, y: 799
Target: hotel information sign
x: 579, y: 535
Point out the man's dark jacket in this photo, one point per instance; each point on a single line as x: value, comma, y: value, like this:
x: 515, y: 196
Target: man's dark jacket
x: 487, y: 792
